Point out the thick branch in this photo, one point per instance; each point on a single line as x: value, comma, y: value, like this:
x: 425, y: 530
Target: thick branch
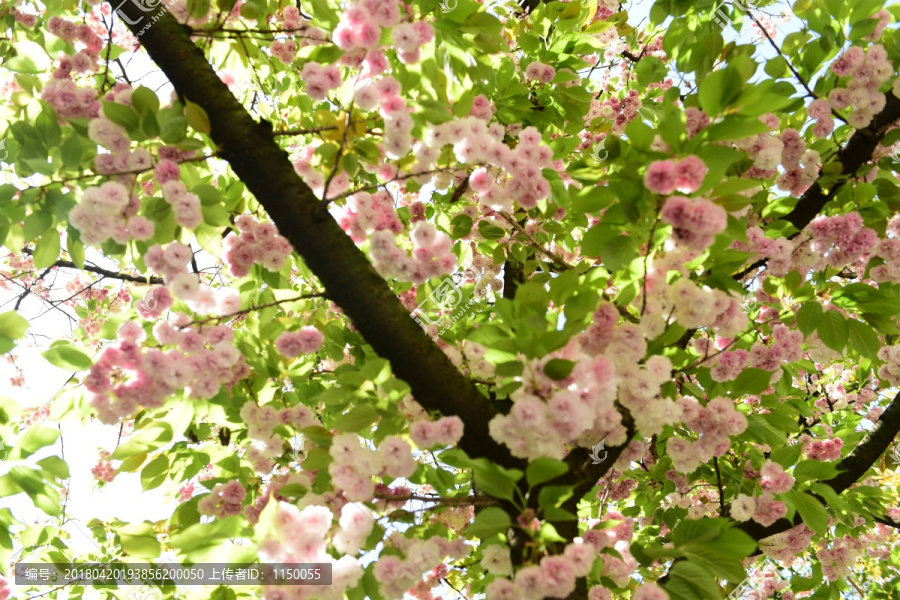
x: 853, y: 467
x: 343, y: 269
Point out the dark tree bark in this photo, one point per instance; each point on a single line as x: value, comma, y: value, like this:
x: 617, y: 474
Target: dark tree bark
x: 347, y: 276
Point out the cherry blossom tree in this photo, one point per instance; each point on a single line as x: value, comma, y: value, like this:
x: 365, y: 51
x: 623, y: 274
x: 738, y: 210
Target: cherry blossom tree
x: 490, y: 300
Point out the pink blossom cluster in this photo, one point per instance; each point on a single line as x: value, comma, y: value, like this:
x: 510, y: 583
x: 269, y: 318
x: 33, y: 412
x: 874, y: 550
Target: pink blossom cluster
x: 285, y: 51
x: 538, y: 71
x: 397, y: 575
x: 694, y: 306
x: 185, y: 205
x: 446, y: 431
x: 639, y: 388
x: 553, y: 578
x: 777, y: 251
x: 124, y: 379
x: 456, y: 519
x: 5, y: 591
x: 837, y: 561
x: 787, y: 346
x: 355, y: 526
x: 618, y: 112
x: 696, y: 120
x: 170, y: 262
x: 186, y: 492
x: 695, y: 222
x: 103, y: 470
x: 224, y: 501
x: 255, y: 243
x: 482, y: 108
x: 517, y: 173
x: 73, y: 32
x: 888, y: 249
x: 729, y: 365
x: 353, y: 466
x: 109, y: 135
x: 543, y: 420
x: 276, y: 482
x: 884, y: 18
x: 385, y: 94
x: 408, y: 39
x: 69, y: 101
x: 367, y: 212
x: 823, y: 449
x: 292, y: 344
x: 774, y: 479
x: 431, y: 256
x: 685, y: 175
x: 763, y: 509
x: 868, y: 69
x: 360, y: 26
x: 787, y: 545
x: 80, y: 62
x: 320, y: 80
x: 108, y: 212
x: 840, y: 240
x: 714, y: 423
x: 820, y: 111
x: 300, y: 536
x: 890, y: 370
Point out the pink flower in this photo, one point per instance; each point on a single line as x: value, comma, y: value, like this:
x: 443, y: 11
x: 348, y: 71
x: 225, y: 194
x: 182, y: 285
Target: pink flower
x: 662, y: 177
x: 306, y: 341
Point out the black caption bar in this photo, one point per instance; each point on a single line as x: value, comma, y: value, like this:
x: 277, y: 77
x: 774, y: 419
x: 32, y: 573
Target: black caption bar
x: 120, y: 574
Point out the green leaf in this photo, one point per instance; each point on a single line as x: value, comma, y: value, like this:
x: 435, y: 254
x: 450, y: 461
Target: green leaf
x: 154, y: 474
x: 786, y: 456
x: 719, y: 89
x: 197, y: 117
x: 56, y: 466
x: 30, y: 58
x: 490, y: 232
x: 139, y: 540
x: 76, y: 251
x: 752, y: 381
x: 71, y: 151
x: 808, y: 317
x: 460, y: 226
x: 35, y: 437
x: 36, y: 224
x: 46, y: 251
x: 68, y: 357
x: 541, y: 470
x: 814, y: 469
x: 490, y: 521
x: 813, y: 513
x: 558, y: 369
x: 618, y: 253
x: 863, y: 339
x: 173, y: 130
x: 121, y: 115
x: 145, y: 101
x: 833, y: 330
x: 690, y: 581
x: 358, y: 418
x: 13, y: 325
